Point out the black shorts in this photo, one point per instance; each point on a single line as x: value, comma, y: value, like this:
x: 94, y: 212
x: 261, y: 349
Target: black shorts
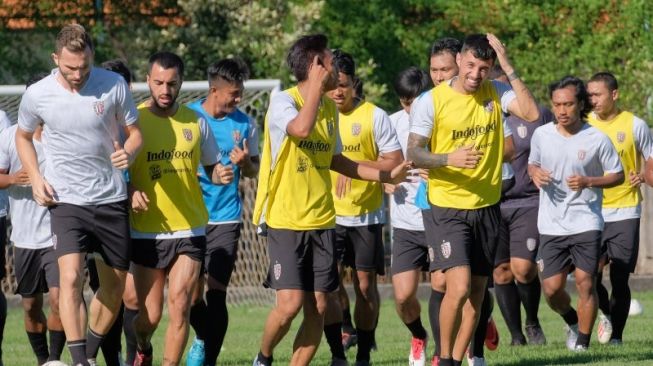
x: 302, y: 260
x: 36, y: 270
x: 518, y: 235
x: 409, y: 251
x: 620, y: 241
x: 3, y: 247
x: 221, y: 251
x: 465, y: 238
x: 161, y: 253
x: 557, y: 252
x: 94, y: 228
x: 361, y: 247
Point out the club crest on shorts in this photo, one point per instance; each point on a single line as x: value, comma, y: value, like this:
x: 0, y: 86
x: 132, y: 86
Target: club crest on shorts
x: 445, y: 247
x: 98, y: 107
x: 277, y: 271
x: 235, y: 135
x: 188, y: 134
x: 540, y: 265
x: 522, y: 131
x: 488, y: 105
x: 431, y: 254
x: 531, y: 244
x: 356, y: 129
x: 581, y: 154
x: 54, y: 241
x: 621, y: 137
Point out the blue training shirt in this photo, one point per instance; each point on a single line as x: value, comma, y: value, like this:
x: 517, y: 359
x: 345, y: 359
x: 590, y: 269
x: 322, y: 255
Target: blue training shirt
x: 223, y: 202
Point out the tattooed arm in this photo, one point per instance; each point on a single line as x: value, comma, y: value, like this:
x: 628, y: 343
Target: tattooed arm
x: 464, y: 157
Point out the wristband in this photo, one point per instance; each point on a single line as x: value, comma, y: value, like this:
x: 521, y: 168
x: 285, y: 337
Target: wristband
x: 513, y: 76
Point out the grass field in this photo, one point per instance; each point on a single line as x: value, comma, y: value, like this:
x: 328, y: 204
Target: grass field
x: 246, y: 324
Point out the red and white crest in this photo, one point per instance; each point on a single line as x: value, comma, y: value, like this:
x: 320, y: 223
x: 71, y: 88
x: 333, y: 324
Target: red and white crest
x: 531, y: 244
x: 98, y: 107
x: 235, y: 135
x: 540, y: 265
x: 356, y: 129
x: 581, y: 154
x: 522, y: 131
x: 445, y: 247
x: 621, y: 137
x: 277, y: 271
x: 488, y: 105
x: 188, y: 134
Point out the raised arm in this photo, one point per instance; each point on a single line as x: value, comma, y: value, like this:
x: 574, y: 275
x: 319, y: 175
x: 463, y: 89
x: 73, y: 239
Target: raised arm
x: 302, y: 125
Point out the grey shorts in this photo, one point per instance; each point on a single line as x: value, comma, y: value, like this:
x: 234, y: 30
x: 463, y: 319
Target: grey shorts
x: 409, y: 251
x: 620, y: 242
x: 36, y: 270
x: 558, y: 252
x: 361, y: 247
x: 518, y: 235
x: 221, y: 251
x: 161, y: 253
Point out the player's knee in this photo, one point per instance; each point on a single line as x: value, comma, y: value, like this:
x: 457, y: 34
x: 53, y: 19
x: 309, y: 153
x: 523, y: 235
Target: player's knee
x: 550, y: 290
x: 53, y: 301
x: 32, y: 308
x: 288, y: 310
x: 525, y: 274
x: 458, y: 292
x: 502, y: 274
x: 585, y: 286
x: 71, y: 278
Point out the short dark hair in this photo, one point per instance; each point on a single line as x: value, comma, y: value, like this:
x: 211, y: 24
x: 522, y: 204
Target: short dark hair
x: 344, y: 63
x: 358, y: 87
x: 606, y: 77
x: 301, y: 54
x: 480, y: 47
x: 119, y: 67
x: 412, y: 82
x: 581, y: 92
x: 231, y: 70
x: 167, y: 60
x: 35, y: 77
x: 445, y: 44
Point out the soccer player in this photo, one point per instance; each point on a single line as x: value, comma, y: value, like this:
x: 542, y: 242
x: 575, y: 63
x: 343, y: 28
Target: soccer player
x: 4, y: 123
x: 515, y: 271
x: 168, y: 217
x: 301, y: 144
x: 621, y: 204
x: 570, y: 162
x: 84, y: 109
x: 409, y: 248
x: 464, y: 162
x: 237, y: 136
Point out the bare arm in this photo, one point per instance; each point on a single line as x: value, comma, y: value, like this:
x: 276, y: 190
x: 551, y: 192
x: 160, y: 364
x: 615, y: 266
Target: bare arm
x: 578, y: 182
x: 524, y: 105
x: 540, y: 177
x: 464, y: 157
x: 302, y: 125
x: 648, y: 171
x: 352, y: 169
x: 386, y: 161
x: 18, y: 178
x: 43, y: 193
x: 508, y: 149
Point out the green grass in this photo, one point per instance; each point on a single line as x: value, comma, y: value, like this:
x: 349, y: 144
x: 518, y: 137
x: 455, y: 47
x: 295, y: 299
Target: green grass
x: 246, y: 324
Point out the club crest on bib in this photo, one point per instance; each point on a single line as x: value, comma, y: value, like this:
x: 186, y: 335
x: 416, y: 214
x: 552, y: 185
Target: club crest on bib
x: 188, y: 134
x: 531, y: 244
x: 356, y: 129
x: 302, y: 164
x: 621, y: 137
x: 98, y: 107
x: 277, y: 271
x: 488, y: 105
x: 445, y: 247
x: 235, y: 135
x: 581, y: 154
x: 330, y: 126
x: 522, y: 131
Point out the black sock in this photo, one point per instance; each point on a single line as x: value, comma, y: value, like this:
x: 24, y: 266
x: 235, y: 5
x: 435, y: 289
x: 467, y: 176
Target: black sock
x: 130, y: 334
x: 111, y: 346
x: 570, y: 317
x: 265, y: 361
x: 334, y: 339
x: 456, y: 363
x: 347, y: 325
x: 478, y: 339
x: 446, y: 362
x: 198, y: 318
x: 434, y: 317
x: 147, y: 351
x: 3, y: 308
x: 39, y: 343
x: 218, y: 321
x: 93, y: 342
x: 78, y: 352
x: 602, y: 292
x: 364, y: 344
x: 530, y: 294
x: 620, y: 300
x: 508, y: 300
x: 416, y: 328
x: 57, y: 343
x: 583, y: 339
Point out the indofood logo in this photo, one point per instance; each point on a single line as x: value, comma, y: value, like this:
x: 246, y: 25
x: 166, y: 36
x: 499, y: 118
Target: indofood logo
x: 351, y: 148
x: 474, y: 131
x: 314, y: 146
x: 169, y: 155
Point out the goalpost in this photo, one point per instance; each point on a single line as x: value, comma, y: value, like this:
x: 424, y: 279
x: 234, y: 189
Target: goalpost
x: 251, y: 267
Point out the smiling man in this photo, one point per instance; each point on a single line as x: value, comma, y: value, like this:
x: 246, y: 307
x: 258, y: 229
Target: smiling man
x: 462, y: 121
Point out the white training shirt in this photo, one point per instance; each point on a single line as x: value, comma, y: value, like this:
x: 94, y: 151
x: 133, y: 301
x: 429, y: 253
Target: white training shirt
x: 386, y: 141
x: 506, y: 169
x: 587, y: 153
x: 403, y: 212
x: 5, y: 122
x: 80, y: 129
x: 30, y: 222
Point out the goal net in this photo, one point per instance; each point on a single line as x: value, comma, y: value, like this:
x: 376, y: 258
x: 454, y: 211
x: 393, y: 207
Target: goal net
x: 252, y: 263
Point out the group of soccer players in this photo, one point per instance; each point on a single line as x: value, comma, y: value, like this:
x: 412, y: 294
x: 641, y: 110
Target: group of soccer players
x: 482, y: 182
